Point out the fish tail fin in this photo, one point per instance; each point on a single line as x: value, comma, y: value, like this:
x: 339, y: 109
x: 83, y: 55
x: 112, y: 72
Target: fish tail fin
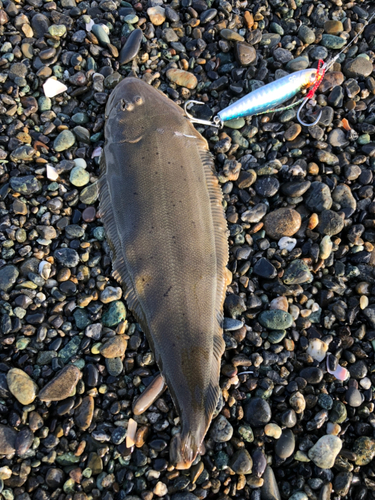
x: 186, y: 445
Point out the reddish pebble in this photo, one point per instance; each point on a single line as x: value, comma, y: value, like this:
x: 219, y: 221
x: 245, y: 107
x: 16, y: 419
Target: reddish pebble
x: 89, y: 214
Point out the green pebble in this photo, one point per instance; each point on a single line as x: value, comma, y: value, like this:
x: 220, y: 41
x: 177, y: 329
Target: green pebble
x: 332, y: 41
x: 22, y: 343
x: 44, y: 103
x: 114, y: 366
x: 276, y: 336
x: 69, y: 486
x: 246, y: 432
x: 297, y: 273
x: 45, y: 357
x: 64, y: 141
x: 364, y: 139
x: 80, y: 118
x: 131, y: 19
x: 115, y: 314
x: 275, y: 319
x: 99, y: 233
x: 236, y: 124
x: 79, y: 177
x: 71, y: 349
x: 338, y: 413
x: 101, y: 34
x: 7, y: 494
x: 67, y: 459
x: 89, y: 194
x: 81, y: 318
x: 57, y: 30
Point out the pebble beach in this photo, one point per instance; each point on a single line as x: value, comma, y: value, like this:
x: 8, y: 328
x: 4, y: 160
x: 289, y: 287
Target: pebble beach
x: 296, y: 419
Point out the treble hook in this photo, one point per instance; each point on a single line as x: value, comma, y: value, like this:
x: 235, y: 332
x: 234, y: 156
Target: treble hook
x: 301, y: 121
x: 216, y: 120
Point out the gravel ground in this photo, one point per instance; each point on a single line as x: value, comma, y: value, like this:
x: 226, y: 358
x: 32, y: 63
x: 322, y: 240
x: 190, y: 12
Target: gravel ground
x: 300, y: 311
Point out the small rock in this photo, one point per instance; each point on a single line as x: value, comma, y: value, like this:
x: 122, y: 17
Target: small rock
x: 282, y: 222
x: 7, y: 440
x: 182, y: 78
x: 275, y: 319
x: 330, y: 223
x: 115, y: 347
x: 221, y: 430
x: 257, y: 412
x: 317, y: 349
x: 84, y: 413
x: 325, y: 451
x: 156, y: 15
x: 241, y: 462
x: 23, y: 387
x: 64, y: 141
x: 270, y: 489
x: 364, y: 448
x: 284, y: 447
x: 62, y: 385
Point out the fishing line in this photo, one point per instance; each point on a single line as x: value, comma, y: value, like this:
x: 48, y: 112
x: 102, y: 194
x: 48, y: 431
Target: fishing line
x: 330, y: 63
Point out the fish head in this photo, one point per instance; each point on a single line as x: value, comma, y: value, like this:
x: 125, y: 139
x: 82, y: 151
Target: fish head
x: 126, y: 110
x: 131, y: 110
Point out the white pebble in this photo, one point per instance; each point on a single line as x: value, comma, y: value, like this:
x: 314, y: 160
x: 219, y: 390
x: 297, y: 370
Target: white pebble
x: 52, y: 175
x: 89, y: 25
x: 365, y: 383
x: 97, y: 152
x: 52, y: 87
x: 44, y: 269
x: 80, y: 162
x: 317, y: 349
x: 130, y: 434
x: 286, y: 243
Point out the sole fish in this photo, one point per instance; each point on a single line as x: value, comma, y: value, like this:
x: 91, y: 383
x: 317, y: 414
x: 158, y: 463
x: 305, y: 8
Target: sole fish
x: 161, y: 207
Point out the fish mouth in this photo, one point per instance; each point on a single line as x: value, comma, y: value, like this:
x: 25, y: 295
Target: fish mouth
x: 130, y: 141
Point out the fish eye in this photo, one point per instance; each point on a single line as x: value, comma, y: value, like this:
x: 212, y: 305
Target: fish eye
x: 138, y: 100
x: 312, y: 78
x: 126, y: 106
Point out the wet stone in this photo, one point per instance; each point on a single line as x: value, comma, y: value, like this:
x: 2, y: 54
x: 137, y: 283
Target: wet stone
x: 325, y: 451
x: 131, y: 47
x: 275, y: 319
x: 114, y: 315
x: 241, y: 462
x: 23, y: 388
x: 270, y: 489
x: 364, y: 448
x: 265, y: 269
x: 221, y: 430
x: 7, y: 440
x: 55, y: 478
x: 62, y: 385
x: 312, y: 375
x: 114, y: 366
x: 245, y: 53
x: 64, y: 141
x: 67, y: 257
x: 267, y: 186
x: 8, y: 277
x: 360, y: 66
x: 338, y: 414
x: 24, y: 440
x: 157, y: 15
x: 297, y: 273
x: 114, y: 347
x: 318, y: 197
x: 330, y: 223
x: 285, y: 445
x: 26, y: 185
x: 182, y: 78
x: 257, y: 412
x: 353, y: 397
x: 84, y: 413
x: 282, y: 222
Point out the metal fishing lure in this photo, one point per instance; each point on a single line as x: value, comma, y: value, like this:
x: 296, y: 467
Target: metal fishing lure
x: 266, y: 99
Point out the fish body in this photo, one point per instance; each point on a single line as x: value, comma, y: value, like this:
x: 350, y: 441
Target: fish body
x: 161, y: 206
x: 269, y: 96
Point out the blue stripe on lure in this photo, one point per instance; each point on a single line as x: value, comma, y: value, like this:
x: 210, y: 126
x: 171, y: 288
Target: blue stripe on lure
x: 269, y: 96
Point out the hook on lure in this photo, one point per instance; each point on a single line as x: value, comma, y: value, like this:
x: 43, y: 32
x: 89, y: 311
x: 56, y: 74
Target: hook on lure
x: 266, y: 99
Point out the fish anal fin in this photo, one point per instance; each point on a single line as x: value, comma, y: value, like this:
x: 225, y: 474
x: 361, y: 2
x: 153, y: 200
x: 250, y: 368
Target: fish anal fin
x: 119, y: 269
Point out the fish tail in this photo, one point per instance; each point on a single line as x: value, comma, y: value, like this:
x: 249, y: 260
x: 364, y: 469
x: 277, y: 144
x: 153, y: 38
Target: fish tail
x: 185, y: 447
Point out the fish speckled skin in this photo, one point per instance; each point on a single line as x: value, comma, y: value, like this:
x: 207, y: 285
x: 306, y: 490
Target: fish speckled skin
x: 161, y: 206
